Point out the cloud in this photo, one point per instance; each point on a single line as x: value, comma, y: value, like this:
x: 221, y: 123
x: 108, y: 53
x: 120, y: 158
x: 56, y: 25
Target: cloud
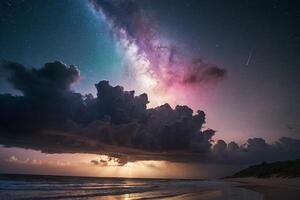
x: 256, y: 144
x: 47, y: 100
x: 256, y: 150
x: 220, y: 147
x: 109, y: 161
x: 287, y: 144
x: 53, y: 78
x: 52, y: 118
x: 12, y: 159
x: 201, y: 71
x: 232, y: 147
x: 95, y: 162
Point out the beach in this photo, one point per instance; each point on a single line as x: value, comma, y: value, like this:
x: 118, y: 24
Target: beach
x: 237, y: 189
x: 36, y: 187
x: 271, y: 188
x: 221, y: 192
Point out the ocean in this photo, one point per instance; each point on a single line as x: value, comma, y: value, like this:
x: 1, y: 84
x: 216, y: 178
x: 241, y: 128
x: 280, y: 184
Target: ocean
x: 39, y: 187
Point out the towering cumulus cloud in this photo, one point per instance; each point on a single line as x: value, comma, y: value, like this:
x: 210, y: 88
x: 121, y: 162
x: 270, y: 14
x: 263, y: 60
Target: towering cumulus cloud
x: 50, y: 117
x: 153, y: 65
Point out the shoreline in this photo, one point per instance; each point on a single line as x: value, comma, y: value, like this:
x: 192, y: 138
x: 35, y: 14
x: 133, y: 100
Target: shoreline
x: 110, y: 189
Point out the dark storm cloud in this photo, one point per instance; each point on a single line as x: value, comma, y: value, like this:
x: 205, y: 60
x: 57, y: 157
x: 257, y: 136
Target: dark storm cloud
x: 53, y: 77
x: 201, y: 71
x: 232, y: 147
x: 220, y: 146
x: 256, y: 150
x: 50, y: 117
x: 47, y: 100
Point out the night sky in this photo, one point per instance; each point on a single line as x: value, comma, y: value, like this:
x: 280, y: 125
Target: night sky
x: 238, y: 61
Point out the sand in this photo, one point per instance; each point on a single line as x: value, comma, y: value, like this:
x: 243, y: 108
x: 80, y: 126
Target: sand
x: 271, y: 188
x: 237, y: 189
x: 225, y: 189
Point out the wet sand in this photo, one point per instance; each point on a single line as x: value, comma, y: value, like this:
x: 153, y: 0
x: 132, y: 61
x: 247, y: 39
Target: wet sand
x: 229, y: 189
x: 272, y: 188
x: 223, y: 191
x: 29, y: 187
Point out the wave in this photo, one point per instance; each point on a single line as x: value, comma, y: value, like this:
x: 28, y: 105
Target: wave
x: 30, y: 187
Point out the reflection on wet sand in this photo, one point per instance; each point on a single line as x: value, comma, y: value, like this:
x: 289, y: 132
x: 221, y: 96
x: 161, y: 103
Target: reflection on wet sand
x: 224, y: 191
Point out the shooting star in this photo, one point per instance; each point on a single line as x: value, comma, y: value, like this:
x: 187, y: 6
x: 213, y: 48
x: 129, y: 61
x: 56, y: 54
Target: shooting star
x: 249, y: 57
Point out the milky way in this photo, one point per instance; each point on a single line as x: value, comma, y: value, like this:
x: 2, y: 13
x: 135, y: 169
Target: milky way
x: 153, y: 66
